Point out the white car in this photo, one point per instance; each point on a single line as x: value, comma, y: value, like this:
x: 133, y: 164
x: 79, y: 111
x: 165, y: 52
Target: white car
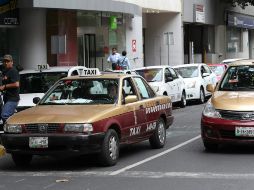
x: 228, y: 61
x: 196, y: 77
x: 165, y: 81
x: 36, y: 82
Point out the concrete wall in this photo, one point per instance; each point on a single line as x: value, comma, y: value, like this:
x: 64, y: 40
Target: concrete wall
x: 163, y: 5
x: 210, y: 10
x: 134, y: 32
x: 157, y: 52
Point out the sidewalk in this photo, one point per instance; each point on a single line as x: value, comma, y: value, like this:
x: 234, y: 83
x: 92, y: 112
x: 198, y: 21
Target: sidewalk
x: 2, y: 151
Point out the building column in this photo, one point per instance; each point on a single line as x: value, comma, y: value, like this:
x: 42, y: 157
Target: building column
x: 32, y: 37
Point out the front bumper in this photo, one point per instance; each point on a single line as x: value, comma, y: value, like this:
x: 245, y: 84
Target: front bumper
x: 57, y: 143
x: 222, y: 131
x: 192, y: 94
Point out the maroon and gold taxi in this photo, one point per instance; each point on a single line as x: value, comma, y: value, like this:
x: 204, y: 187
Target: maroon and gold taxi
x: 228, y: 116
x: 94, y: 112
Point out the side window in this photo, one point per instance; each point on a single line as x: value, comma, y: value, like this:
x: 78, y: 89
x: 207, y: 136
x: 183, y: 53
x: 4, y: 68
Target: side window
x: 167, y: 73
x: 128, y: 88
x: 143, y: 88
x: 173, y: 73
x: 207, y: 69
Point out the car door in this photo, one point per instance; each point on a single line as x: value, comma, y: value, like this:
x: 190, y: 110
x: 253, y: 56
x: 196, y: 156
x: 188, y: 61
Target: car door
x: 171, y: 85
x: 146, y: 95
x: 207, y: 77
x: 178, y: 84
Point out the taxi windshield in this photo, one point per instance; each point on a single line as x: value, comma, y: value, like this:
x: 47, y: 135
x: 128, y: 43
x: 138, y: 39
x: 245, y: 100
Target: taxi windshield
x: 218, y: 69
x: 39, y: 82
x: 82, y: 91
x: 151, y: 75
x: 238, y: 78
x: 188, y: 72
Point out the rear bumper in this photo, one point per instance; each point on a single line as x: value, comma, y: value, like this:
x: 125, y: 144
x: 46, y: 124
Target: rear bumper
x: 57, y: 143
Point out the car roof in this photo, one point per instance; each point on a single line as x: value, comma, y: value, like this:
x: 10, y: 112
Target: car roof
x: 216, y: 64
x: 189, y: 65
x: 50, y: 69
x: 232, y: 60
x: 152, y: 67
x: 107, y: 75
x: 242, y: 62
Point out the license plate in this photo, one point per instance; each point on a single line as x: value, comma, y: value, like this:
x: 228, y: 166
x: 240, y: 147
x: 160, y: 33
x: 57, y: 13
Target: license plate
x: 244, y: 131
x: 38, y: 142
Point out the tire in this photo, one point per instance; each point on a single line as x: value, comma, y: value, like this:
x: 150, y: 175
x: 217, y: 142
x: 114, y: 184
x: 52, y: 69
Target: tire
x: 183, y: 101
x: 22, y: 160
x: 202, y: 96
x: 158, y: 139
x: 110, y: 149
x: 210, y: 147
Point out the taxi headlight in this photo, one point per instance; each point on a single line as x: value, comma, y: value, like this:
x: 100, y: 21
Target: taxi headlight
x: 78, y: 128
x: 210, y: 111
x: 12, y: 128
x: 191, y: 84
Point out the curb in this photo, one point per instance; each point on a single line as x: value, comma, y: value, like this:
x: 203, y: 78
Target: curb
x: 2, y: 151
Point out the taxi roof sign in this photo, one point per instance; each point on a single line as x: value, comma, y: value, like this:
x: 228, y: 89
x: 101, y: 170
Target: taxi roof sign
x: 83, y: 71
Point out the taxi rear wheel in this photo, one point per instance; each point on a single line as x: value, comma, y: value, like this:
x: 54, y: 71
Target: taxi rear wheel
x: 158, y: 139
x: 183, y: 101
x: 110, y: 148
x: 21, y: 160
x: 202, y: 96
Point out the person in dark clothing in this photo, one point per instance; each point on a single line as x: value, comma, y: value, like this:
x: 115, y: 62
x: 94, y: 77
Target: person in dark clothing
x: 10, y: 88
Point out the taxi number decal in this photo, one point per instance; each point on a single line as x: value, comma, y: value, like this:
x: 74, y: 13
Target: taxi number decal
x: 157, y: 108
x: 135, y: 131
x: 150, y: 126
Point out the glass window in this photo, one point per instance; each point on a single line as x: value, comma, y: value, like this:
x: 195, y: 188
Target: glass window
x: 39, y: 82
x: 83, y: 91
x: 128, y: 88
x: 144, y: 89
x: 151, y: 75
x: 188, y: 72
x: 234, y: 39
x: 239, y: 78
x: 173, y: 73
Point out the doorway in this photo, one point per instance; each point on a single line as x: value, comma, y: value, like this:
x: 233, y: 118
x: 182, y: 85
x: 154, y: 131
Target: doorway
x: 87, y: 50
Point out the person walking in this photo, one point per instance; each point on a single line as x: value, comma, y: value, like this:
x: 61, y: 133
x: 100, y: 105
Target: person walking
x: 113, y: 58
x: 124, y: 61
x: 10, y: 88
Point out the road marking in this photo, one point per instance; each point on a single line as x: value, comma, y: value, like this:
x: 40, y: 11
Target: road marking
x: 50, y: 185
x: 154, y: 156
x: 19, y: 180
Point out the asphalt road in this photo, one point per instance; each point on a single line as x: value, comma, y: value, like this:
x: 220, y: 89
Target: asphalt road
x: 181, y: 164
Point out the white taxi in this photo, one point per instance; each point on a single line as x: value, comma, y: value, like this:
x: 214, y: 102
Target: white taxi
x: 35, y: 82
x: 196, y: 77
x: 165, y: 81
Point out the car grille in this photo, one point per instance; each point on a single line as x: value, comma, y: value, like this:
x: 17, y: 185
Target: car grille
x: 42, y: 128
x: 235, y: 115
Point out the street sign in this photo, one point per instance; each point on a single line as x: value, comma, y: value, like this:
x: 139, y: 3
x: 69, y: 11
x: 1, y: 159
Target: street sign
x: 134, y: 46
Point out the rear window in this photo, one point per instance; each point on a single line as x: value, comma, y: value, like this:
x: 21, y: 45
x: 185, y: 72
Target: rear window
x: 39, y: 82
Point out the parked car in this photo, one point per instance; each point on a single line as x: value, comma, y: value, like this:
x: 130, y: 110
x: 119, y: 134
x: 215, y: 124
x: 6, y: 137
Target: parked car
x: 196, y: 77
x: 165, y: 81
x: 35, y: 82
x: 92, y: 113
x: 218, y: 69
x: 228, y: 117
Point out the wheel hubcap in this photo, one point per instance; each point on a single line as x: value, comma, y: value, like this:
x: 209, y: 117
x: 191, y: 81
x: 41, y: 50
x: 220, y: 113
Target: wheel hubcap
x: 161, y: 132
x: 113, y: 148
x: 202, y: 96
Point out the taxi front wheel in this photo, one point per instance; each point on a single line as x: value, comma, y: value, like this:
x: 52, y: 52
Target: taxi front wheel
x: 158, y: 139
x: 110, y: 148
x: 21, y: 160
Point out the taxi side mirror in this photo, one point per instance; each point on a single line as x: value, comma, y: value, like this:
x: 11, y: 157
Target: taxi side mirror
x: 131, y: 99
x: 36, y: 100
x: 210, y: 88
x: 168, y: 79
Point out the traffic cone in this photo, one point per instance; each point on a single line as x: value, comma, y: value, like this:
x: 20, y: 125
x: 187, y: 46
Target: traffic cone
x: 2, y: 151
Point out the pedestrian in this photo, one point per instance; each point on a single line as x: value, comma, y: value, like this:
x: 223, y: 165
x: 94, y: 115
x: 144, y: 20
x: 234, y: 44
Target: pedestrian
x: 124, y: 62
x: 113, y: 58
x: 10, y: 88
